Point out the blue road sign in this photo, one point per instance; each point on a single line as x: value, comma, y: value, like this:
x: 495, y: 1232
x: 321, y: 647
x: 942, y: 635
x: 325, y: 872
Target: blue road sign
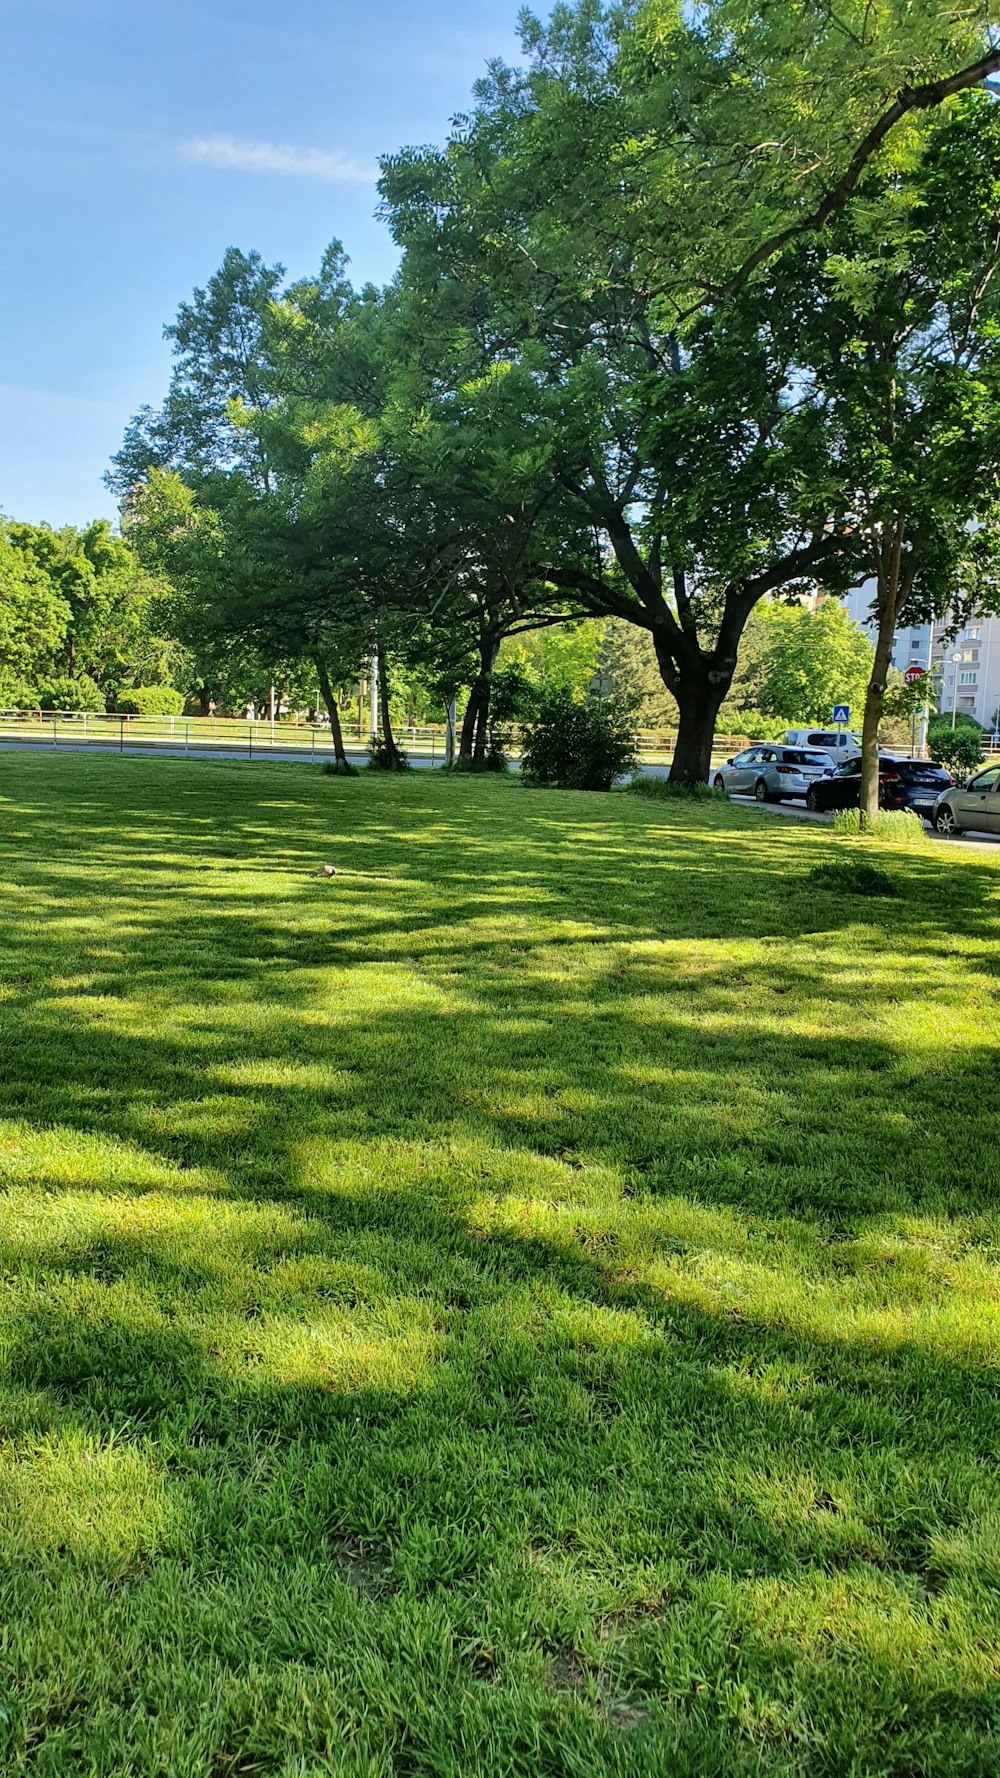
x: 841, y: 712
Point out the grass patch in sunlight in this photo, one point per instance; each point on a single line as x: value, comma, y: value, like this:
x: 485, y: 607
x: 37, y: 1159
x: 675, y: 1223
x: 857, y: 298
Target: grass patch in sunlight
x: 526, y: 1304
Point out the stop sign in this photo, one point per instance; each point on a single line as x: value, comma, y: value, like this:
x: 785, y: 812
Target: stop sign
x: 912, y: 674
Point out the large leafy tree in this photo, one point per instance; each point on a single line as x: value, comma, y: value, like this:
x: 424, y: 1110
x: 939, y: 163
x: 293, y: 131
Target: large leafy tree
x: 898, y: 334
x: 809, y: 661
x: 98, y: 611
x: 622, y: 203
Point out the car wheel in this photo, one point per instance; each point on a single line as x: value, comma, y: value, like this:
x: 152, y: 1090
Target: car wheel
x: 761, y: 791
x: 720, y: 782
x: 946, y: 824
x: 812, y: 800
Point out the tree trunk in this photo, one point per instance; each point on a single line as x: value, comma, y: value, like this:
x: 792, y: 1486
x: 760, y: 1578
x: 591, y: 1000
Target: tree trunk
x: 469, y: 722
x: 698, y: 703
x: 333, y: 712
x: 204, y: 700
x: 477, y: 714
x: 483, y: 720
x: 874, y: 701
x: 393, y: 756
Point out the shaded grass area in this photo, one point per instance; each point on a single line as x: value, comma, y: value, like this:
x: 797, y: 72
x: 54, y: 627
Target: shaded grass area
x: 526, y: 1304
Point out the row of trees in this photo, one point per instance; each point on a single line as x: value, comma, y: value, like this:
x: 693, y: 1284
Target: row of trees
x: 697, y: 308
x: 82, y: 623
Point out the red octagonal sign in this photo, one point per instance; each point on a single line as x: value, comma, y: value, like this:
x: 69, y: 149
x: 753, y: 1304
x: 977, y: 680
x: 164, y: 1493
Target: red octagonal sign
x: 912, y: 674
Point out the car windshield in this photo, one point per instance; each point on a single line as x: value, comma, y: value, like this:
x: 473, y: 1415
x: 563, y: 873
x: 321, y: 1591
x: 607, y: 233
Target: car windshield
x: 823, y: 740
x: 811, y: 759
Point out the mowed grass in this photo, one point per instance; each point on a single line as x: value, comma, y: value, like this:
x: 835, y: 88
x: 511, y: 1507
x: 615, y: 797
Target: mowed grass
x: 527, y: 1304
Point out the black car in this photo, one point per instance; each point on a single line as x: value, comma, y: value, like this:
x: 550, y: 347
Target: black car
x: 923, y: 782
x: 902, y: 784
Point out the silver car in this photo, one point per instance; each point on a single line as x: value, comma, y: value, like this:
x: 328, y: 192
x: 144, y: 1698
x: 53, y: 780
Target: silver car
x: 976, y: 807
x: 771, y: 772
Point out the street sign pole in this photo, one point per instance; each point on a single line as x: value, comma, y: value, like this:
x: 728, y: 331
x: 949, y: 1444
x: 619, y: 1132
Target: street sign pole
x: 913, y: 676
x: 841, y: 716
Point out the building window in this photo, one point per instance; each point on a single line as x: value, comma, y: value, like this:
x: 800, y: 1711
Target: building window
x: 968, y: 678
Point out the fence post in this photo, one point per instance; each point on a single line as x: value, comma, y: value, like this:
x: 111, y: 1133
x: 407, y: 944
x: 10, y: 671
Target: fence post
x: 251, y: 741
x: 121, y: 737
x: 185, y: 737
x: 53, y: 731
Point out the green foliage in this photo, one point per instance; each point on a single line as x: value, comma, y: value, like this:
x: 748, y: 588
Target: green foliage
x: 853, y: 876
x: 578, y: 744
x: 901, y: 826
x: 811, y: 660
x: 58, y: 692
x: 560, y: 656
x: 959, y: 748
x: 150, y: 700
x: 663, y: 790
x: 383, y: 758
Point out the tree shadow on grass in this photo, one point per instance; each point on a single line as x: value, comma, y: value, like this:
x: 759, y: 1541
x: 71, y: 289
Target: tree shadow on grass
x: 624, y: 1309
x: 601, y: 1522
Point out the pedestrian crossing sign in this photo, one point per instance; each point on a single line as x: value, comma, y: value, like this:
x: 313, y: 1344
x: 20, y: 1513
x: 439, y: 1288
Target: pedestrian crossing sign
x: 841, y: 712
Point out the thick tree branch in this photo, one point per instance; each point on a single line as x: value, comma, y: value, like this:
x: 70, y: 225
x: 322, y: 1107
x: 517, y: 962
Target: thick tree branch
x: 909, y: 98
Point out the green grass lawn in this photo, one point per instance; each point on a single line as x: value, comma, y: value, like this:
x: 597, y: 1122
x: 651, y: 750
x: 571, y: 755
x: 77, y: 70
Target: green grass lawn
x: 527, y: 1304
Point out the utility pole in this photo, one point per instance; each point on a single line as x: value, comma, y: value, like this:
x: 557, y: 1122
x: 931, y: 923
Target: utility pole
x: 449, y: 734
x: 929, y: 681
x: 956, y: 661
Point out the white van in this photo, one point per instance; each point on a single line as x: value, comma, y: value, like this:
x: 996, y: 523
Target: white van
x: 839, y: 744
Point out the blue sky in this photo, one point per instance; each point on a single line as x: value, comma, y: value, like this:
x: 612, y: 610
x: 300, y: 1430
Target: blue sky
x: 139, y: 139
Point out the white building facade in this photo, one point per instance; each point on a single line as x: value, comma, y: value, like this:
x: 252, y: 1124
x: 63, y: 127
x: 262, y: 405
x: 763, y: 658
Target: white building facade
x: 970, y: 684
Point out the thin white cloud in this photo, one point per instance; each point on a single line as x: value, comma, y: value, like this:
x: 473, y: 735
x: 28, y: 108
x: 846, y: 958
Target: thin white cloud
x: 236, y: 156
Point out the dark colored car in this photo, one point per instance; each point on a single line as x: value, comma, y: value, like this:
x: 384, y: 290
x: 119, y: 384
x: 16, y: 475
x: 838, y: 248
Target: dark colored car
x: 902, y: 784
x: 923, y: 782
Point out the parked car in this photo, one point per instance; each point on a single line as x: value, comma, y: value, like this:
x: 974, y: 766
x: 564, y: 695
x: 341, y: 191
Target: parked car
x: 841, y: 789
x: 771, y: 772
x: 923, y: 782
x: 837, y: 744
x: 976, y: 807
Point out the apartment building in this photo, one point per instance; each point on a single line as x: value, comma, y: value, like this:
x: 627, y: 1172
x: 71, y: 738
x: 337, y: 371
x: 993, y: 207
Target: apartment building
x: 970, y: 682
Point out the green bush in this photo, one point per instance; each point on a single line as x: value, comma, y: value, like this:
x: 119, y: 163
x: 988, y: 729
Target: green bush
x: 660, y: 790
x: 853, y: 876
x: 959, y: 748
x: 582, y: 745
x: 63, y: 693
x: 150, y: 700
x: 900, y: 825
x: 382, y: 759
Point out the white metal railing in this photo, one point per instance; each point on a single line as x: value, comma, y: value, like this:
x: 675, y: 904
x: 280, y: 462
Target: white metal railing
x: 259, y: 736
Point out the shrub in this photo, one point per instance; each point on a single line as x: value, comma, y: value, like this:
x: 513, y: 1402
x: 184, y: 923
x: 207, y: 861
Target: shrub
x: 382, y: 758
x: 494, y: 761
x: 853, y: 876
x: 62, y: 693
x: 661, y: 790
x: 574, y: 745
x: 899, y: 825
x: 150, y: 700
x: 959, y: 748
